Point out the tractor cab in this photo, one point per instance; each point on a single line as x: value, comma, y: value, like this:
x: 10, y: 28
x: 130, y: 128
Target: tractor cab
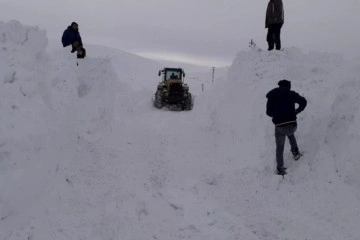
x: 172, y: 74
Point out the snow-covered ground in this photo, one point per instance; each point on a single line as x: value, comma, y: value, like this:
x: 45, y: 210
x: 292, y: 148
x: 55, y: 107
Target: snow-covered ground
x: 84, y: 155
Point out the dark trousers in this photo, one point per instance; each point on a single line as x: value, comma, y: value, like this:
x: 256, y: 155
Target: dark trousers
x: 280, y: 134
x: 273, y: 36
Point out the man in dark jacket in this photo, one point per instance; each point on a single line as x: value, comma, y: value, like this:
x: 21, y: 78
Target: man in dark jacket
x: 71, y: 36
x: 273, y: 22
x: 281, y: 107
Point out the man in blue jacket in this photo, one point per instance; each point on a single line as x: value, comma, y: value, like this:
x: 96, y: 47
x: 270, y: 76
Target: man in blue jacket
x: 71, y: 36
x: 281, y: 108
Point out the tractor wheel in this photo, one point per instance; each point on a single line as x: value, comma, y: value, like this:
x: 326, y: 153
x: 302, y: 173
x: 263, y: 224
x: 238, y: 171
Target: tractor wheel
x: 188, y: 103
x: 158, y: 102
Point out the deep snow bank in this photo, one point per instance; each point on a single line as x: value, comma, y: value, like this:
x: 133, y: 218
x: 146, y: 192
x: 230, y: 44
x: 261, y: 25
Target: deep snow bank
x: 313, y: 194
x: 47, y: 103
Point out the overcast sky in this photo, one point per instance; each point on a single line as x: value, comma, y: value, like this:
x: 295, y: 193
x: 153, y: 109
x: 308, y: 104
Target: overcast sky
x: 206, y: 32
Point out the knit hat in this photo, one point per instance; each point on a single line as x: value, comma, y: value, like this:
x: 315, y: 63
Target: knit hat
x: 284, y: 83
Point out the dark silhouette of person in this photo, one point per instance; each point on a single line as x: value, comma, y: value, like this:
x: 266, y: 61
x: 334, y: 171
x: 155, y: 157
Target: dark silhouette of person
x: 273, y: 22
x: 174, y: 76
x: 71, y: 36
x: 281, y: 108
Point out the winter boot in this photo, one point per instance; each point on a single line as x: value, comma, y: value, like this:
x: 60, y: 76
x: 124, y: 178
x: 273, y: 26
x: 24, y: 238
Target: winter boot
x: 296, y: 154
x: 281, y: 171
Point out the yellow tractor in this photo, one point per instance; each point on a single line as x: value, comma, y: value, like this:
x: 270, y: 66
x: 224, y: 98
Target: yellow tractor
x: 172, y: 91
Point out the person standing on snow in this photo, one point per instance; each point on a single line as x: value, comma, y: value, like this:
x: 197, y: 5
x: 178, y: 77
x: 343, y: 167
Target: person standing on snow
x: 273, y: 22
x: 281, y: 108
x: 71, y: 36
